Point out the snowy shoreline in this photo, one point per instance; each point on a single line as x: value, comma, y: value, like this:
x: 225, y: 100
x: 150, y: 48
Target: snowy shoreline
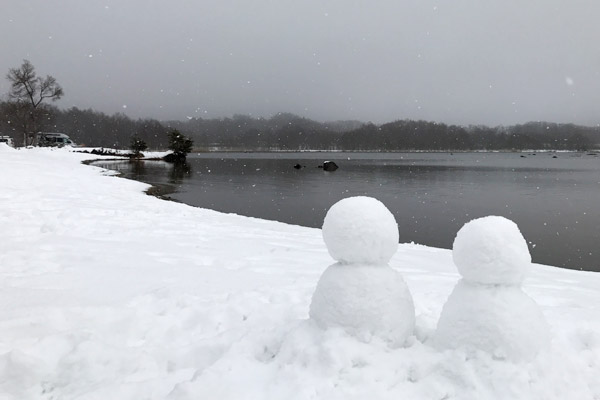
x: 106, y: 292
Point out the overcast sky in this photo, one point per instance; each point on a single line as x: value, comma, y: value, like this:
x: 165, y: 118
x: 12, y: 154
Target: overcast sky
x: 455, y: 61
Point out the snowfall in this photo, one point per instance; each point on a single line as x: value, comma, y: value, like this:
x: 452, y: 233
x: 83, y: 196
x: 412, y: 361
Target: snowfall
x: 108, y: 293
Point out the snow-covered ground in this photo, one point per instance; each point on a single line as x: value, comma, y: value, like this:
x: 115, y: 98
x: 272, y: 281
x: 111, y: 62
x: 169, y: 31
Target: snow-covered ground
x: 107, y: 293
x: 118, y: 152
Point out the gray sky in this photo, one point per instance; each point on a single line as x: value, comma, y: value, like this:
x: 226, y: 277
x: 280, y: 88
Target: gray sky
x: 454, y: 61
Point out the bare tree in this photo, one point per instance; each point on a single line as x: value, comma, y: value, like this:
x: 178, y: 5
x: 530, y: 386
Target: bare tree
x: 27, y: 95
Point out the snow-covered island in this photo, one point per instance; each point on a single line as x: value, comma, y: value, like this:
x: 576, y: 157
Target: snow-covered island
x: 107, y: 293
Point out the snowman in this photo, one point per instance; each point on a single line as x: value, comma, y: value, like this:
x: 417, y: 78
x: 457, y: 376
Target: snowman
x: 361, y: 293
x: 488, y: 311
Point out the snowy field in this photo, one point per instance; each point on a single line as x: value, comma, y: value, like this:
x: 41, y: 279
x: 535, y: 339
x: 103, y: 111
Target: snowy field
x: 107, y: 293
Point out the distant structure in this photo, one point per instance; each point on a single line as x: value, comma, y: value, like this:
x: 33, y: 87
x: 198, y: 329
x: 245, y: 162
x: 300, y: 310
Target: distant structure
x: 488, y: 311
x: 7, y: 139
x: 361, y: 293
x: 53, y: 139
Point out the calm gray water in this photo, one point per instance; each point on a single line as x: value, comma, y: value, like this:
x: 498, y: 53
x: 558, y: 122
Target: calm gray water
x: 554, y: 198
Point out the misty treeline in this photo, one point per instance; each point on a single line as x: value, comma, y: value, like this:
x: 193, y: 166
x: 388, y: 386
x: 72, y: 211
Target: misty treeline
x: 286, y: 131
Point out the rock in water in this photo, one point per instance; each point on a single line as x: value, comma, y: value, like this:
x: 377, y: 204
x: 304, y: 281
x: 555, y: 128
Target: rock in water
x: 330, y: 166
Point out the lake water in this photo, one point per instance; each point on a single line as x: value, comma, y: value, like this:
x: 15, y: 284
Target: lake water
x: 553, y: 197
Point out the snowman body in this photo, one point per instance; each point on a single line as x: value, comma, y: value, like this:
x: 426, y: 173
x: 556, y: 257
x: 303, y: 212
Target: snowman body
x: 361, y: 293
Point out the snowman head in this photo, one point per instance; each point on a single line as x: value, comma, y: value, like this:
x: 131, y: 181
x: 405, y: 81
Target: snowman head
x: 491, y: 250
x: 360, y: 230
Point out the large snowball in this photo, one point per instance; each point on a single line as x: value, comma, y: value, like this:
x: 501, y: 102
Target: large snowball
x: 364, y: 300
x: 500, y: 320
x: 491, y: 250
x: 360, y: 230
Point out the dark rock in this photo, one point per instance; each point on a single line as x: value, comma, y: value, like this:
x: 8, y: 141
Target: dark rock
x: 174, y: 158
x: 298, y: 166
x: 329, y: 166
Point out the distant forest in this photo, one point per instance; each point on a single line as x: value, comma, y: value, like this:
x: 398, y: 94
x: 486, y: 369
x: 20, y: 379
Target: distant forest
x: 286, y: 131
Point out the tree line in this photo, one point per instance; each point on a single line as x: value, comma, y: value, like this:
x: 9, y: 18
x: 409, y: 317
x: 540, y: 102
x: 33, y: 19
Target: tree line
x: 408, y: 135
x: 27, y: 111
x: 290, y: 132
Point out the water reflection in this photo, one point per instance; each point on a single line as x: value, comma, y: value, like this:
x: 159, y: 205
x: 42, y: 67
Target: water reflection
x: 138, y: 167
x: 179, y: 171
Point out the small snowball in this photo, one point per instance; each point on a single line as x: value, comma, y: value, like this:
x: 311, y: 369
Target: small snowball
x: 364, y: 300
x: 360, y: 230
x: 491, y: 250
x: 500, y: 320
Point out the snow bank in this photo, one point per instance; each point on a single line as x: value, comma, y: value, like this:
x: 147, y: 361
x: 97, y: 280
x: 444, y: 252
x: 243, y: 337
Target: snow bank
x: 120, y: 152
x: 107, y: 293
x: 4, y: 148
